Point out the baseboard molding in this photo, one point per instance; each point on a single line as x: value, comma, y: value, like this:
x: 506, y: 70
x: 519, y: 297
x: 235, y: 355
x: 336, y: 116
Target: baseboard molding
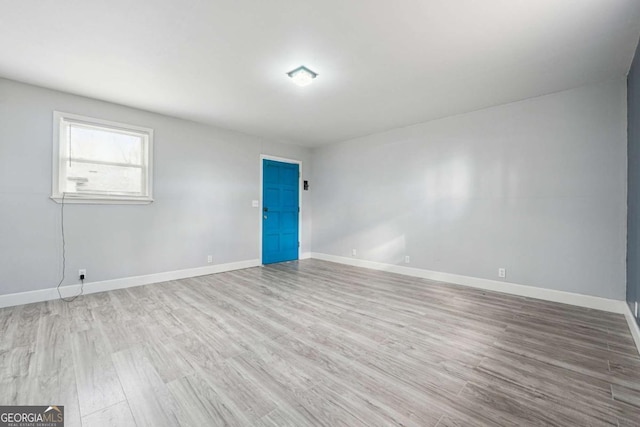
x: 126, y: 282
x: 633, y: 326
x: 580, y: 300
x: 587, y: 301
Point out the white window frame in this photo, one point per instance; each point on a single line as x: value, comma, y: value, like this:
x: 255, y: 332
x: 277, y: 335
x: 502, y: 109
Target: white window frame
x: 60, y: 128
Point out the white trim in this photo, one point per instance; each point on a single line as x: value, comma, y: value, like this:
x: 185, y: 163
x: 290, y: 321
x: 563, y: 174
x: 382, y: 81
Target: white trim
x: 60, y: 123
x: 85, y: 200
x: 587, y: 301
x: 580, y: 300
x: 283, y: 160
x: 633, y: 326
x: 126, y: 282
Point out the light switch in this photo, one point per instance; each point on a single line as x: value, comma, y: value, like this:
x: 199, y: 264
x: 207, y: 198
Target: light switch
x: 255, y: 203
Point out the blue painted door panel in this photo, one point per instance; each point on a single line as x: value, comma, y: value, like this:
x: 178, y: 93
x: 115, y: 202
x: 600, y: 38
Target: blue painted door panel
x: 280, y: 211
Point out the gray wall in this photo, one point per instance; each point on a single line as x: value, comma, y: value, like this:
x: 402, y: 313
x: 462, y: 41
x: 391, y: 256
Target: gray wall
x: 204, y: 181
x: 633, y: 195
x: 537, y: 187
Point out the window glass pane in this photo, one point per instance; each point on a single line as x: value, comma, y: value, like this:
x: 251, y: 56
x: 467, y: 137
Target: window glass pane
x: 97, y: 178
x: 103, y: 145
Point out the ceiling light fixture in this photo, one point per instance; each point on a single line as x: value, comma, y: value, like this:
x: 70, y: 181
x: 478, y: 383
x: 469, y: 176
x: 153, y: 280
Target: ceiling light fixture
x: 302, y: 76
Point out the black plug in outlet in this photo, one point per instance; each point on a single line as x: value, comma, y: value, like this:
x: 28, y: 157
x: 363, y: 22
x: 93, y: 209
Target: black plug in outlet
x: 82, y: 277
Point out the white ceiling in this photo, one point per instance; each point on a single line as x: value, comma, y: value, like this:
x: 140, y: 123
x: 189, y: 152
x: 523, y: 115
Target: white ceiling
x: 382, y: 64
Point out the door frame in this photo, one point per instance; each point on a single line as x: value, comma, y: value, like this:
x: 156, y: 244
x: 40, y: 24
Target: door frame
x: 283, y: 160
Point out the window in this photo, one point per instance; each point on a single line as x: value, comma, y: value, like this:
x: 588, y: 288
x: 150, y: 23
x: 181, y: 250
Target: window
x: 96, y: 161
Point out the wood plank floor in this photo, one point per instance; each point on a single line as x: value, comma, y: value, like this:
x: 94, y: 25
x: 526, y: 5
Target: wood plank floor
x: 317, y: 343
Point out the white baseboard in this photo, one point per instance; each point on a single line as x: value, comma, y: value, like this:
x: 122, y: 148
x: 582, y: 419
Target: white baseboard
x: 126, y: 282
x: 587, y: 301
x: 633, y: 326
x: 580, y: 300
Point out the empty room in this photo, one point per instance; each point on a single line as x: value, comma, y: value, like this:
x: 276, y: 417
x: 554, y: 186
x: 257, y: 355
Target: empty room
x: 334, y: 213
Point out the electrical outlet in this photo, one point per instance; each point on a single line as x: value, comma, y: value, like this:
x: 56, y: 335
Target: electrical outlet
x: 502, y: 272
x: 353, y: 252
x: 636, y: 309
x: 82, y: 274
x: 407, y: 260
x: 210, y: 259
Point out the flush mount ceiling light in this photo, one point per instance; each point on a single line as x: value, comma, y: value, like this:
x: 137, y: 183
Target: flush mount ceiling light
x: 302, y: 76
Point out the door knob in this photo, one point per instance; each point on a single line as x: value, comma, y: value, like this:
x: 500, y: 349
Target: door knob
x: 265, y: 217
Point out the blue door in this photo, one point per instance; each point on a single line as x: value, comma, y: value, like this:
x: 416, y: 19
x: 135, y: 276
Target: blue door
x: 280, y: 211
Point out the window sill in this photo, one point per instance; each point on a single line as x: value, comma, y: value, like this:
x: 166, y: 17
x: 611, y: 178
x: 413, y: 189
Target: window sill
x: 96, y: 200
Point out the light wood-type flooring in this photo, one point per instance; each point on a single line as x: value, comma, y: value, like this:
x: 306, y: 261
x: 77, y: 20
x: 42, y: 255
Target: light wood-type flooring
x: 316, y: 343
